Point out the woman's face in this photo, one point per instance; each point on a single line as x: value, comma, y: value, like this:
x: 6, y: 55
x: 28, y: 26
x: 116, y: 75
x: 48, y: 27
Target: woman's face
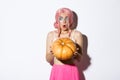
x: 64, y: 21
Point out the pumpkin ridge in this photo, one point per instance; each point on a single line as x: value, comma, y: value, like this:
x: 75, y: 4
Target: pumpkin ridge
x: 69, y: 48
x: 62, y: 52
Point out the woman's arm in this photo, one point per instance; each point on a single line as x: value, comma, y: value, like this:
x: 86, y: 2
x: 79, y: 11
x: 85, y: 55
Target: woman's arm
x: 79, y: 44
x: 49, y: 55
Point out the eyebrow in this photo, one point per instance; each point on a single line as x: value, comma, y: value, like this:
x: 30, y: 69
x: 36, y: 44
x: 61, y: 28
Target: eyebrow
x: 63, y: 17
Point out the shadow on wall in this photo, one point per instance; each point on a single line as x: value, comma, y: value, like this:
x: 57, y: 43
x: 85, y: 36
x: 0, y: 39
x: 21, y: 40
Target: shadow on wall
x: 85, y: 61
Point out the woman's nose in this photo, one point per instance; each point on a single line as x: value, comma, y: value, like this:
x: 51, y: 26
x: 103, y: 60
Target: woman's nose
x: 64, y: 20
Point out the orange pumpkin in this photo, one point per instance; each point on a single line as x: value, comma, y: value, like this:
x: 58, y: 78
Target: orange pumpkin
x: 63, y: 48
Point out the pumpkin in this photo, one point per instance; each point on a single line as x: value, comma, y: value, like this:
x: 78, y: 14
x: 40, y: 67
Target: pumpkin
x: 63, y: 48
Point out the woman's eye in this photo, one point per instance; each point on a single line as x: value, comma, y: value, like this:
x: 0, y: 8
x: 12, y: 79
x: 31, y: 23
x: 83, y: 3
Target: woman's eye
x: 63, y: 18
x: 66, y: 18
x: 60, y: 18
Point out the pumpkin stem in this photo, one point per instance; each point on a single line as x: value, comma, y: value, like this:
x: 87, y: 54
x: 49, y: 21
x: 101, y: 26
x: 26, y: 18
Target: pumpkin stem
x: 63, y: 43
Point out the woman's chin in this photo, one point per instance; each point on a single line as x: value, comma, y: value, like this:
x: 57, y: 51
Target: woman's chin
x: 64, y: 29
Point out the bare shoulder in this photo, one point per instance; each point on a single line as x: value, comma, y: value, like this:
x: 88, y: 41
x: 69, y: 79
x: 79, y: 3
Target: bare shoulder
x: 50, y: 34
x: 79, y: 38
x: 77, y: 33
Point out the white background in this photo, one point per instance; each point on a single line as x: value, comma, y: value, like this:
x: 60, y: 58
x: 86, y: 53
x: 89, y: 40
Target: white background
x: 24, y: 25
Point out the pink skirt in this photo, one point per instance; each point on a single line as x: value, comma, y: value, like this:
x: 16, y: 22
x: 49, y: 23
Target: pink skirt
x: 64, y: 72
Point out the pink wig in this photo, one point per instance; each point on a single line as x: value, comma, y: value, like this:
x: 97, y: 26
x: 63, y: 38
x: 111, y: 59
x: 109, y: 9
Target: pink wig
x: 63, y: 10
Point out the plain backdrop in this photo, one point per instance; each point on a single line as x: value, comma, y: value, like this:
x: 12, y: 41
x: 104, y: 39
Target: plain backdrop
x: 24, y: 25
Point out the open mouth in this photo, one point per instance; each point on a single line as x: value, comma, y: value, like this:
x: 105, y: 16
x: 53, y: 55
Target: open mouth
x: 64, y: 26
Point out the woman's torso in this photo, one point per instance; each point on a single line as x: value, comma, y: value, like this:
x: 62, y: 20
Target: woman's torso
x: 55, y: 36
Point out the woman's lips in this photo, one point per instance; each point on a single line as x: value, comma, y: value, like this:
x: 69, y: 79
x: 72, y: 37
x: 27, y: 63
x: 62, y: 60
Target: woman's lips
x: 64, y: 26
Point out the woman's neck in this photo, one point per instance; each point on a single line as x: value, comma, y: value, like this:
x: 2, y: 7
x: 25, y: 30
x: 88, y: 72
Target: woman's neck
x: 65, y: 32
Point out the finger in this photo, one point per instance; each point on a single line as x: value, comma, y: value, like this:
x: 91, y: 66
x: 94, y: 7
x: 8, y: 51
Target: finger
x: 75, y: 53
x: 51, y: 52
x: 77, y: 49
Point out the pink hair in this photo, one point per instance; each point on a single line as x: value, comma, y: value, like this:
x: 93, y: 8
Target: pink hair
x: 63, y: 10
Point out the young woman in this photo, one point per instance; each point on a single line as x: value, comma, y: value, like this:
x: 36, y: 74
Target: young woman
x: 64, y: 70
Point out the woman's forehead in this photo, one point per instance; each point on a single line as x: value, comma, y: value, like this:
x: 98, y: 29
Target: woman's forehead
x: 64, y: 14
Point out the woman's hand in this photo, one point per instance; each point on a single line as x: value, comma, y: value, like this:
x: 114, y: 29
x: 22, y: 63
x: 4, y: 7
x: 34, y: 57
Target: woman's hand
x: 51, y: 52
x: 77, y: 54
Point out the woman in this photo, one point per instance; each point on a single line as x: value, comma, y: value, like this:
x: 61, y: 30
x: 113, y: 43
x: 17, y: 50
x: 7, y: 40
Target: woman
x: 64, y: 70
